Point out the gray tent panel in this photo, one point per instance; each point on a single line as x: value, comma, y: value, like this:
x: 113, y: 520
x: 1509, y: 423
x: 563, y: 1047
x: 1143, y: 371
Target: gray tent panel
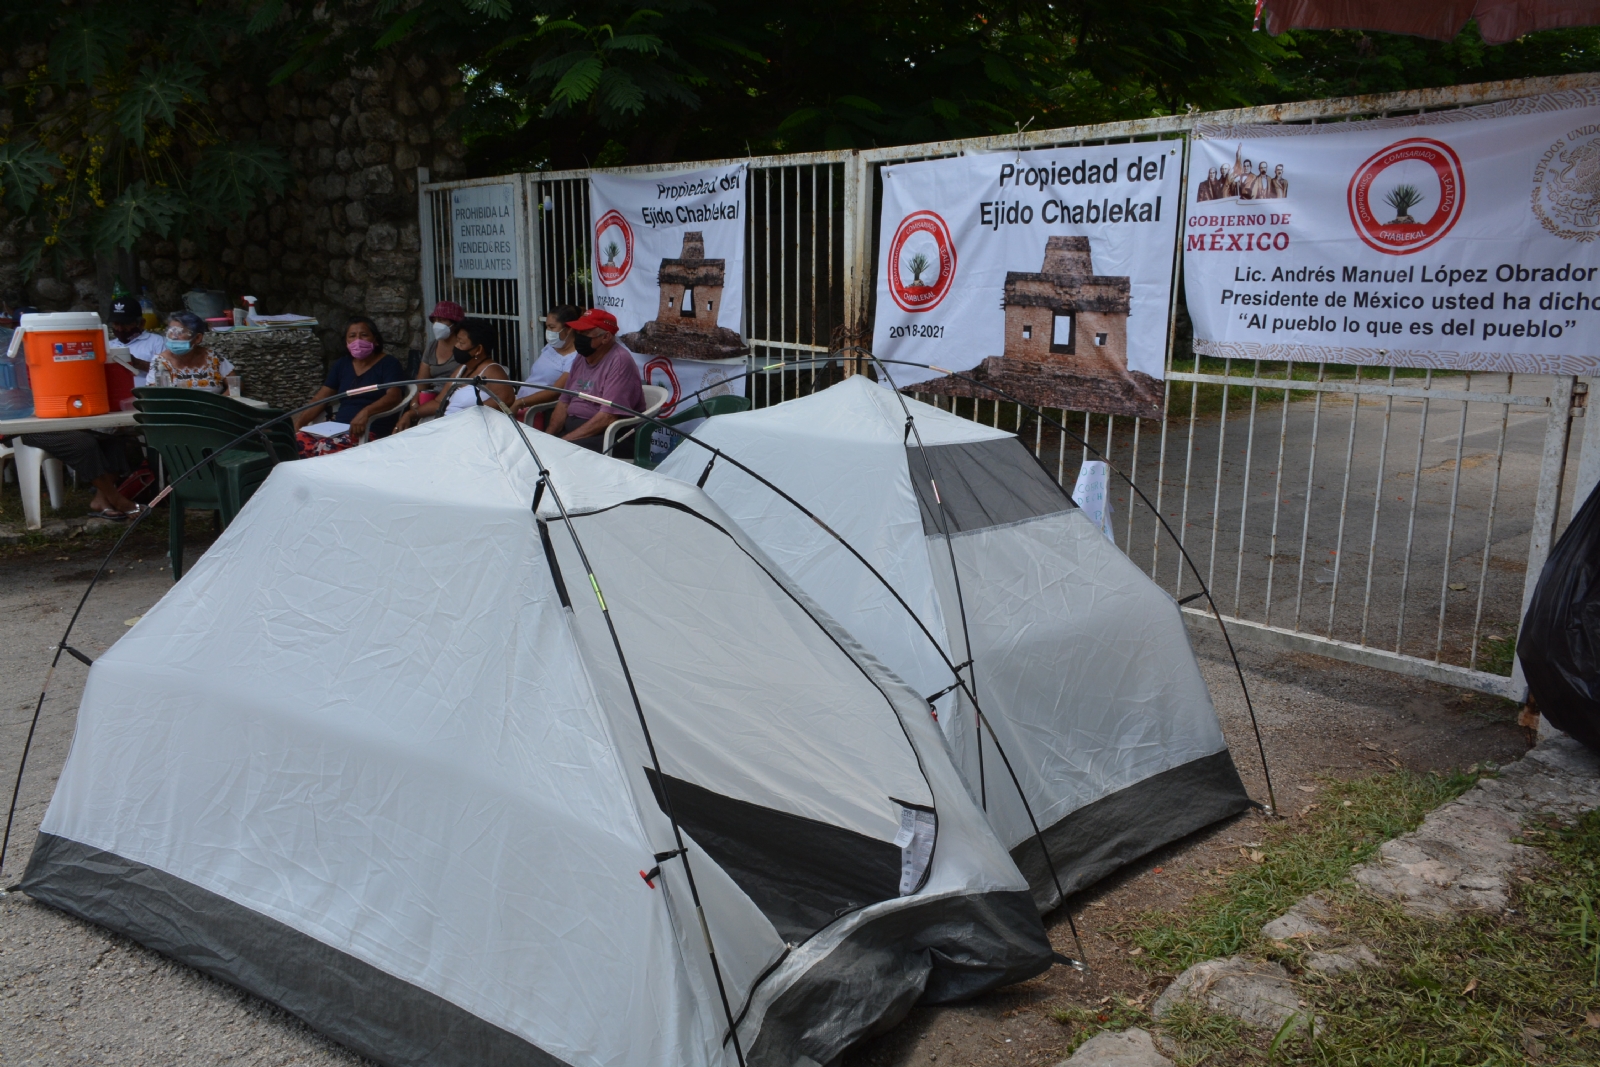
x: 982, y: 484
x: 355, y: 1003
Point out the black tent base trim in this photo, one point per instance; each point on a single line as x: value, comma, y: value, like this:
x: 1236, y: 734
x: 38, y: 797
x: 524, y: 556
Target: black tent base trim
x: 1117, y: 829
x: 935, y: 951
x: 354, y: 1003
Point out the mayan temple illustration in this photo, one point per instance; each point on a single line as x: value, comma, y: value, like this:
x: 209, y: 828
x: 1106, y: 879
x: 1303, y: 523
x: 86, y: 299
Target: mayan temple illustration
x: 1066, y: 339
x: 685, y: 326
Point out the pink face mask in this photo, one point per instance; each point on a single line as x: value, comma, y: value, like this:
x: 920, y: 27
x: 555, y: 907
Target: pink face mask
x: 360, y: 348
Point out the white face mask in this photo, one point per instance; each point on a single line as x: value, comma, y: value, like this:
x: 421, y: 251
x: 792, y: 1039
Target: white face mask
x: 552, y: 336
x: 441, y: 330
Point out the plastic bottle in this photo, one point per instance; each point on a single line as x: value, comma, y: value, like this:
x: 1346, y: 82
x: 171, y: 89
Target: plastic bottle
x: 147, y: 308
x: 16, y: 397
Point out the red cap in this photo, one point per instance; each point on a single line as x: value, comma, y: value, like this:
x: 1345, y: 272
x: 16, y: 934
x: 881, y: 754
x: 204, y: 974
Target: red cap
x: 448, y: 310
x: 595, y: 317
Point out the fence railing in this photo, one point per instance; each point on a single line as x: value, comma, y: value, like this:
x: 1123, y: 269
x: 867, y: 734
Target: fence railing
x: 1393, y: 518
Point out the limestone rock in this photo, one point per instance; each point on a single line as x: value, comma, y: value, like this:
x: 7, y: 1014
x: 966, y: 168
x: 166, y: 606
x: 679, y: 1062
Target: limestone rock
x: 1130, y: 1048
x: 1341, y: 960
x: 1292, y: 924
x: 1461, y: 857
x: 1255, y: 992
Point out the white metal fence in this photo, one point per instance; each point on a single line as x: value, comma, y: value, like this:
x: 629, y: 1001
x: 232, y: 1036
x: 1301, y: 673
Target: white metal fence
x: 1393, y: 518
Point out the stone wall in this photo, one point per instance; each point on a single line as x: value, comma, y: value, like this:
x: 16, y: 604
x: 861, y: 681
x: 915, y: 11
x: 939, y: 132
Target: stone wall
x: 341, y: 240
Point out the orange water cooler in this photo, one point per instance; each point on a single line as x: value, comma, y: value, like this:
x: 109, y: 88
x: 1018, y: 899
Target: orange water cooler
x: 66, y: 353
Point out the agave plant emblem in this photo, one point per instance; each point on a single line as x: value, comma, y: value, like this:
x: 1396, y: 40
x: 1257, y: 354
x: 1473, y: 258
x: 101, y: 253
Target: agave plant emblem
x: 918, y: 264
x: 1403, y: 198
x: 611, y: 253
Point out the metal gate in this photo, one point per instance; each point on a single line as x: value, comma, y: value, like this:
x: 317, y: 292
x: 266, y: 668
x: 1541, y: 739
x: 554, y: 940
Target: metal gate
x: 506, y: 302
x: 1393, y: 518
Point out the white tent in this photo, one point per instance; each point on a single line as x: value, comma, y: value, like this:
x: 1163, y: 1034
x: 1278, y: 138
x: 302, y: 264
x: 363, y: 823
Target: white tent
x: 1082, y: 665
x: 376, y: 760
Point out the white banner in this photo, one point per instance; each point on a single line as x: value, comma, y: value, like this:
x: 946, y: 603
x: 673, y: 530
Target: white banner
x: 1059, y: 257
x: 483, y: 232
x: 1459, y: 239
x: 688, y: 382
x: 669, y: 260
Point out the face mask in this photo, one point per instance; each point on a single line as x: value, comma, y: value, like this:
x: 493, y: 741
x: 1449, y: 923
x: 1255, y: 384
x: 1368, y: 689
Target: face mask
x: 177, y: 347
x: 441, y: 330
x: 585, y: 344
x: 552, y: 337
x: 360, y: 348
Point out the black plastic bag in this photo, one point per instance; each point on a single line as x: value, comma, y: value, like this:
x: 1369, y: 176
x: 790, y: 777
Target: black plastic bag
x: 1560, y: 642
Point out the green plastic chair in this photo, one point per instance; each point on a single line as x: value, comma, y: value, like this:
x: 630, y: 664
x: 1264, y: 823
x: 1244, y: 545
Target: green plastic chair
x: 716, y: 405
x: 279, y: 439
x: 220, y: 411
x: 188, y: 427
x: 222, y: 485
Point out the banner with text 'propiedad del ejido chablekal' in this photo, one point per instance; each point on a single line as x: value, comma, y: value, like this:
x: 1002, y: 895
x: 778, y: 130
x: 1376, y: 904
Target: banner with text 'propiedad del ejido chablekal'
x: 1047, y: 273
x: 1456, y: 240
x: 669, y: 260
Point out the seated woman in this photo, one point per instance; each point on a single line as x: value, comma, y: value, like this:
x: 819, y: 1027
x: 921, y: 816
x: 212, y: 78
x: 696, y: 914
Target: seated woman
x: 185, y: 362
x: 474, y: 349
x: 439, y: 359
x: 554, y: 361
x: 364, y: 364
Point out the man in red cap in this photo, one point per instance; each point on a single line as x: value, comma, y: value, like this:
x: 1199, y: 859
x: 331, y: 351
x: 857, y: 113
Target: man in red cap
x: 604, y: 369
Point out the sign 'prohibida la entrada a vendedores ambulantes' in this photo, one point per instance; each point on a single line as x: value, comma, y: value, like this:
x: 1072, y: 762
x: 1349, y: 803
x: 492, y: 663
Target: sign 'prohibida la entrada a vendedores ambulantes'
x: 1455, y: 240
x: 1047, y: 273
x: 483, y: 232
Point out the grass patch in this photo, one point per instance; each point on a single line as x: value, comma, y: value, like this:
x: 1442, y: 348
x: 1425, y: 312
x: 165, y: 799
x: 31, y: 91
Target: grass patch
x: 1482, y: 990
x: 1343, y: 827
x: 1477, y: 991
x: 1496, y: 657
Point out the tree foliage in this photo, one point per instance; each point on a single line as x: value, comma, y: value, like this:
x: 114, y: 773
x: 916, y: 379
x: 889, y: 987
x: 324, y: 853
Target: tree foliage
x: 111, y: 138
x: 556, y: 83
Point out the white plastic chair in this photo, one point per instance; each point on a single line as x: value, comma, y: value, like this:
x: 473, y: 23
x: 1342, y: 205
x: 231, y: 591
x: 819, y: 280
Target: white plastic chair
x: 654, y: 397
x: 395, y: 412
x: 29, y: 463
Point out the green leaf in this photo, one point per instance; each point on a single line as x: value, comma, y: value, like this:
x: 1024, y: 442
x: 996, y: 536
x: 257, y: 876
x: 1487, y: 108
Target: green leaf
x: 89, y: 42
x: 635, y: 42
x: 401, y: 27
x: 25, y: 168
x: 230, y: 178
x: 944, y: 109
x: 141, y: 209
x: 619, y: 93
x: 860, y: 104
x: 562, y: 24
x: 579, y: 82
x: 156, y: 96
x: 264, y: 17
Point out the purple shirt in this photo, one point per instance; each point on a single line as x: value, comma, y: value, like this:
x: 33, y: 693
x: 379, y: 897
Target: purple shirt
x: 615, y: 377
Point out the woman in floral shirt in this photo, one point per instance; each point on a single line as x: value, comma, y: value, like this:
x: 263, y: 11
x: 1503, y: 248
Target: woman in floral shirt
x: 186, y: 363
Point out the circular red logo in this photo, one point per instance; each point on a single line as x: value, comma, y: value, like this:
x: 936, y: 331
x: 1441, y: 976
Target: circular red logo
x: 1415, y: 177
x: 921, y: 262
x: 613, y: 248
x: 668, y: 381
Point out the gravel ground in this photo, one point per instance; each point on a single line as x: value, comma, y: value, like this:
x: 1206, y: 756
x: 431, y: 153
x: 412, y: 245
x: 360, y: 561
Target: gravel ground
x: 73, y: 993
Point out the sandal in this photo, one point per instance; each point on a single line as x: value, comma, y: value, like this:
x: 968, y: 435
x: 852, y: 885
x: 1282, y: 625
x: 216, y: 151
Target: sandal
x: 110, y: 513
